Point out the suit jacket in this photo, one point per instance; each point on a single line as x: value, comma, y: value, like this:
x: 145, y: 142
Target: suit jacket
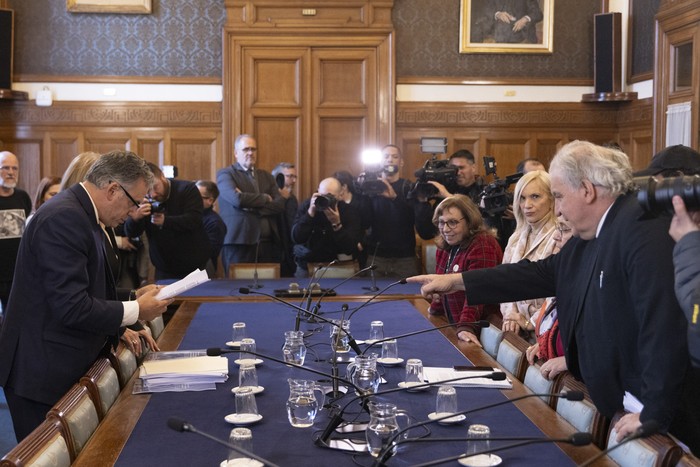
x: 242, y: 209
x: 62, y: 307
x: 620, y: 323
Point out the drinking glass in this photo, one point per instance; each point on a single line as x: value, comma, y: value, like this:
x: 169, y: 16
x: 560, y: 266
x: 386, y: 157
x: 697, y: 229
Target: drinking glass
x: 340, y: 343
x: 241, y: 438
x: 390, y: 349
x: 245, y: 402
x: 238, y: 333
x: 477, y: 442
x: 247, y: 345
x: 414, y: 372
x: 446, y: 401
x: 247, y: 376
x: 376, y: 331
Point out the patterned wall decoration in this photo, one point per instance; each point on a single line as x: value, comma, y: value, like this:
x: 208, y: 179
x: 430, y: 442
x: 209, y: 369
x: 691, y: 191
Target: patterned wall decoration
x: 427, y: 44
x: 179, y: 39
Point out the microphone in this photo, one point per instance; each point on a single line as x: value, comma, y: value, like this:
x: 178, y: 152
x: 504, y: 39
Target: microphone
x: 568, y: 395
x: 255, y: 284
x: 482, y: 323
x: 373, y: 287
x: 216, y: 351
x: 576, y: 439
x: 351, y: 340
x: 313, y: 315
x: 401, y: 281
x: 327, y: 291
x: 337, y: 418
x: 181, y: 426
x: 647, y: 428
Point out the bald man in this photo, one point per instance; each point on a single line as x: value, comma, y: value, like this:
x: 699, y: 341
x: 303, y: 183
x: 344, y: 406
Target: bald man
x: 325, y: 228
x: 15, y: 206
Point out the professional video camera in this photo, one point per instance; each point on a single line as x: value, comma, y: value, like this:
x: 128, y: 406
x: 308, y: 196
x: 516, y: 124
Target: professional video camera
x: 655, y: 195
x: 495, y: 197
x: 433, y: 170
x: 370, y: 181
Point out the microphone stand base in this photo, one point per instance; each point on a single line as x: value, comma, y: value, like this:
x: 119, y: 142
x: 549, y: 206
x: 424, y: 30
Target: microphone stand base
x: 342, y: 358
x: 255, y: 286
x: 344, y: 444
x: 371, y: 289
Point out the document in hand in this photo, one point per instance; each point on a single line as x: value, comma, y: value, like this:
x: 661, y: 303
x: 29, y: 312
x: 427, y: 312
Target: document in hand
x: 192, y: 280
x: 437, y: 374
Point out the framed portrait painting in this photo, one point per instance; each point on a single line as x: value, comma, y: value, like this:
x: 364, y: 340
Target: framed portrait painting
x: 506, y: 26
x: 109, y: 6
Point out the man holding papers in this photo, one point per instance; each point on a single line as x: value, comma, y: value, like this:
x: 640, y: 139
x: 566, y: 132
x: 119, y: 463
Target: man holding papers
x: 63, y: 309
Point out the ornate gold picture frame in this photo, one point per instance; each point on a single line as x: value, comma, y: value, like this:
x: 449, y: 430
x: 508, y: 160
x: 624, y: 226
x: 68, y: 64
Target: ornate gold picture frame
x: 109, y: 6
x: 506, y: 26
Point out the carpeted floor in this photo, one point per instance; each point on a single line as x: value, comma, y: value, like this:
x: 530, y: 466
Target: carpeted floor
x: 7, y: 434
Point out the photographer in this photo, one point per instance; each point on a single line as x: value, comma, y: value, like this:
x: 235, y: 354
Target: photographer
x: 171, y: 216
x: 324, y: 228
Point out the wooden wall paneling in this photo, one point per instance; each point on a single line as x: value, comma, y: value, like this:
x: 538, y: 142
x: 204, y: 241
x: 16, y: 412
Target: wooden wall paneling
x: 102, y: 141
x: 279, y: 138
x: 547, y: 145
x: 341, y: 140
x: 28, y: 152
x: 640, y: 147
x: 61, y: 148
x: 150, y: 145
x: 195, y: 155
x: 508, y: 149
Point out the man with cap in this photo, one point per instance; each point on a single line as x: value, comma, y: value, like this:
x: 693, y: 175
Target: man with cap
x: 672, y: 162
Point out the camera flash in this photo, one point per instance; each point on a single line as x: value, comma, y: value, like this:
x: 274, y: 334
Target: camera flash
x: 372, y: 157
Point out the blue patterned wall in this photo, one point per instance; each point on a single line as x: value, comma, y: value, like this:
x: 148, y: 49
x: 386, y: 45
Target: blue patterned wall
x: 181, y: 38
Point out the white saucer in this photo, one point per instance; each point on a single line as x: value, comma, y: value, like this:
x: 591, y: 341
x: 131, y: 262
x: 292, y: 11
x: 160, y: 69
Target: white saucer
x: 370, y: 341
x: 390, y: 361
x: 243, y: 419
x: 409, y: 386
x: 234, y: 344
x: 447, y: 421
x: 256, y: 361
x: 482, y: 460
x: 241, y: 462
x: 360, y: 342
x: 255, y: 389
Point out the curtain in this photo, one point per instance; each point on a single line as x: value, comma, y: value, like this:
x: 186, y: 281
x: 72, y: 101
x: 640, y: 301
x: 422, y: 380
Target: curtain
x: 678, y: 119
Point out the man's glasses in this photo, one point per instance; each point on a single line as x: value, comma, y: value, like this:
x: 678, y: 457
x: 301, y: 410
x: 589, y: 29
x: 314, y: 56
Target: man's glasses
x: 129, y: 196
x: 563, y: 229
x: 452, y: 223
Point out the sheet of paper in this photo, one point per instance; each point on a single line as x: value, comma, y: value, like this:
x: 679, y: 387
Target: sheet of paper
x: 437, y: 374
x: 191, y: 281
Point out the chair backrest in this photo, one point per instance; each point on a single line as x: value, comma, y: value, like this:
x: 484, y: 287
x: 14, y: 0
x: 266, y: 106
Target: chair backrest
x: 78, y: 415
x: 491, y: 338
x: 654, y: 451
x: 339, y: 270
x: 538, y: 383
x: 583, y: 414
x: 102, y: 382
x: 428, y: 252
x: 511, y: 355
x: 688, y: 460
x: 46, y: 446
x: 157, y: 325
x: 124, y: 361
x: 247, y: 270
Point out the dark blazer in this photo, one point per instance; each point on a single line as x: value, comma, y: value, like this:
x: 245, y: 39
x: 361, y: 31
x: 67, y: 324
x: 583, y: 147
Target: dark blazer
x: 62, y: 308
x: 619, y: 320
x: 242, y: 209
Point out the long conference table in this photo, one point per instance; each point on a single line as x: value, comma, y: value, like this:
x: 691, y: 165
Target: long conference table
x: 135, y: 430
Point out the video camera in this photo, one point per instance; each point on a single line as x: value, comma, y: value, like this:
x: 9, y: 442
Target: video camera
x: 370, y: 181
x: 655, y: 196
x: 495, y: 197
x: 433, y: 170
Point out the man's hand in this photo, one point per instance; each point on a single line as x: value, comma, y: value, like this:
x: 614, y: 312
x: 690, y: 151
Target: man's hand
x: 389, y: 191
x: 333, y: 215
x: 505, y: 17
x: 521, y: 23
x: 627, y: 425
x: 285, y: 192
x: 127, y: 245
x: 468, y: 337
x: 683, y: 222
x: 144, y: 210
x: 435, y: 284
x: 312, y: 205
x: 552, y: 367
x: 158, y: 219
x: 442, y: 191
x: 149, y: 306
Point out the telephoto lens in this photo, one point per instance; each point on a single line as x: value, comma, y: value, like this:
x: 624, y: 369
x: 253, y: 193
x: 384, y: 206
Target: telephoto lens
x: 323, y: 202
x: 655, y: 195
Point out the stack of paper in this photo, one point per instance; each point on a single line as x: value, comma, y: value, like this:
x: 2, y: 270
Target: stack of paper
x: 182, y: 374
x: 472, y: 380
x: 192, y: 280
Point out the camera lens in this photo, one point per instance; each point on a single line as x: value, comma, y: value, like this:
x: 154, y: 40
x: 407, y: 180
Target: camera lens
x: 655, y: 196
x: 324, y: 202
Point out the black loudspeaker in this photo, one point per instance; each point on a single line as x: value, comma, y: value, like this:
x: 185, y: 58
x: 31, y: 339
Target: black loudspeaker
x: 608, y: 50
x: 6, y: 34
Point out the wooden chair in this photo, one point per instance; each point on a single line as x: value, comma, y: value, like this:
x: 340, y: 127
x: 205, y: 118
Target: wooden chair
x: 688, y: 460
x: 428, y: 255
x: 247, y: 270
x: 156, y: 325
x: 654, y: 451
x: 124, y: 362
x: 490, y: 339
x: 77, y: 414
x: 511, y: 355
x: 583, y: 415
x: 46, y: 446
x: 340, y: 270
x: 102, y: 382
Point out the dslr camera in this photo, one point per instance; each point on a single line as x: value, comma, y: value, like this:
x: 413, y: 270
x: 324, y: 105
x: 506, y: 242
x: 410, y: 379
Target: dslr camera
x: 433, y: 170
x: 495, y: 197
x: 655, y: 195
x: 323, y: 202
x: 156, y: 206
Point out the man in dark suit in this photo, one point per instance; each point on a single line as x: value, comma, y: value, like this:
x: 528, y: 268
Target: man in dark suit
x: 619, y: 320
x: 250, y: 204
x: 63, y: 311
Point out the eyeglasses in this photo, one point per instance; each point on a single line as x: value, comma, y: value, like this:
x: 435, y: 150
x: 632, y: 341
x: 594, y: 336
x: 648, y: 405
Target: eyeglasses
x: 452, y: 223
x: 563, y: 229
x: 129, y: 196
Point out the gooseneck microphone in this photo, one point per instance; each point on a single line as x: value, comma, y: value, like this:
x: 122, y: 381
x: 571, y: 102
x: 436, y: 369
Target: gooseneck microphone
x: 312, y: 316
x: 576, y: 439
x: 386, y: 453
x: 373, y: 276
x: 647, y: 428
x: 180, y: 425
x: 481, y: 323
x: 317, y: 306
x: 255, y: 284
x: 400, y: 281
x: 216, y: 351
x: 351, y: 340
x: 337, y: 418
